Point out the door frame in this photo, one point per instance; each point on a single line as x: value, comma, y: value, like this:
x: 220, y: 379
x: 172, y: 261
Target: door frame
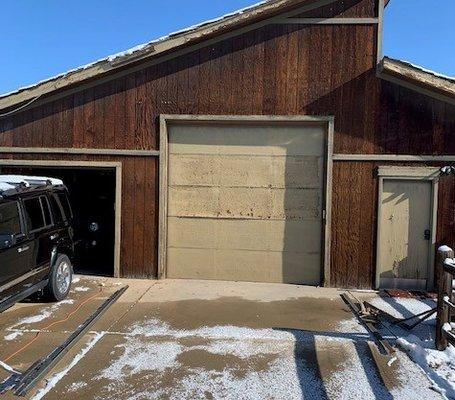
x: 430, y: 174
x: 166, y: 119
x: 116, y: 166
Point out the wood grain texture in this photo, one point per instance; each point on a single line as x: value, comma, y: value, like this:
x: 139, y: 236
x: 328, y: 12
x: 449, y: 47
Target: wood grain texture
x: 278, y: 69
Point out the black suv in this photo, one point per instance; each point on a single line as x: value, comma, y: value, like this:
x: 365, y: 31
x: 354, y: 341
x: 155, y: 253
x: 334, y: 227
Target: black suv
x: 36, y: 238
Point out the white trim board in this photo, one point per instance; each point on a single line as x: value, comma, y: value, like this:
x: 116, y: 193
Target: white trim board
x: 328, y: 21
x: 74, y: 150
x: 165, y: 120
x: 87, y: 165
x: 393, y: 157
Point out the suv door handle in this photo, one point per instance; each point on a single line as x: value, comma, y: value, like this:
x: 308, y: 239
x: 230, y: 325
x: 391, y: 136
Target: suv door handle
x: 22, y: 249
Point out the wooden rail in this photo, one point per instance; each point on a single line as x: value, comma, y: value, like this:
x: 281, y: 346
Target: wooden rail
x: 446, y: 273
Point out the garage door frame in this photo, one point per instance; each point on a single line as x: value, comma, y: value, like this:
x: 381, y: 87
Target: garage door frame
x: 167, y: 119
x: 87, y: 165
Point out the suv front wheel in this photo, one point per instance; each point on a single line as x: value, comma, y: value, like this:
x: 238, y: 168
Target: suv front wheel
x: 60, y: 279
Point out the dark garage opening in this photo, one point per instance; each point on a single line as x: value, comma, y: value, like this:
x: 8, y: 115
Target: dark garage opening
x: 92, y: 196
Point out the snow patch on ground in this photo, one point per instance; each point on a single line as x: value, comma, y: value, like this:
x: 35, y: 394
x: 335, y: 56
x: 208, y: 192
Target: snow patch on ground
x: 58, y: 376
x: 351, y: 325
x: 44, y: 314
x: 272, y: 363
x: 13, y: 335
x: 76, y: 280
x: 156, y: 327
x: 420, y: 345
x: 81, y: 289
x: 404, y: 307
x: 137, y: 358
x: 77, y: 386
x: 438, y: 365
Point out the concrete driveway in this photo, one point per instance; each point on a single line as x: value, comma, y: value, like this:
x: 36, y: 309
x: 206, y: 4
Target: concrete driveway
x: 177, y: 339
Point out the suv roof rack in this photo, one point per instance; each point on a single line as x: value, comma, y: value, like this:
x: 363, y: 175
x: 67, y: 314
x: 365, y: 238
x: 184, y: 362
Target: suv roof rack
x: 12, y: 184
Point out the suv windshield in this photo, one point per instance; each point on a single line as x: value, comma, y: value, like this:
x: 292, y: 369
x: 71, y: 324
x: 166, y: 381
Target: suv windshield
x: 10, y: 223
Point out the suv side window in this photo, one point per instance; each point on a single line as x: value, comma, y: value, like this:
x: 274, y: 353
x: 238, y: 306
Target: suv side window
x: 46, y: 210
x: 68, y: 213
x: 57, y: 210
x: 38, y: 213
x: 10, y: 222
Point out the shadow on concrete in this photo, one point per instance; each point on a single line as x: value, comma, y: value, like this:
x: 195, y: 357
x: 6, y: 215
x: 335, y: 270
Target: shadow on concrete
x: 308, y: 364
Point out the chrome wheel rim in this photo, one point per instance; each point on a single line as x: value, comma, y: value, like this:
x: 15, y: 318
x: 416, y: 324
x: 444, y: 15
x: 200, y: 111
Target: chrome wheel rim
x: 63, y: 277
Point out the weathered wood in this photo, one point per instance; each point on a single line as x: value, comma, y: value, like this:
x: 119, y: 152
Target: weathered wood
x: 444, y: 289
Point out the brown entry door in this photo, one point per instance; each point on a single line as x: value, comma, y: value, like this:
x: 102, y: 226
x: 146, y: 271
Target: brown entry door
x: 404, y: 234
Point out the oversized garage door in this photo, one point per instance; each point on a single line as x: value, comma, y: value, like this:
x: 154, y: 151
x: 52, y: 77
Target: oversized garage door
x: 245, y: 202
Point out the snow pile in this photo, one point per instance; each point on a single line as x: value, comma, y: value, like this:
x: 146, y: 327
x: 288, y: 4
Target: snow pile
x: 438, y: 365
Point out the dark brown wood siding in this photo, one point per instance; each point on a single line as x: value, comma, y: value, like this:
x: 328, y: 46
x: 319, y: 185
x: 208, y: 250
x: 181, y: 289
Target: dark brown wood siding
x: 278, y: 69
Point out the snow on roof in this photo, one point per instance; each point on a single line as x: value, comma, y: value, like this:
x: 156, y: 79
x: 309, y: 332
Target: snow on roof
x: 422, y: 69
x: 5, y: 186
x: 438, y: 85
x: 11, y: 181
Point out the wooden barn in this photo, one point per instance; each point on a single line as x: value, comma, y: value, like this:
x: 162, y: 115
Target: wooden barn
x: 275, y: 144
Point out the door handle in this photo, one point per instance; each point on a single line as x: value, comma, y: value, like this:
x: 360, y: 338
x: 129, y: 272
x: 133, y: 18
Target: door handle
x: 427, y: 234
x: 22, y: 249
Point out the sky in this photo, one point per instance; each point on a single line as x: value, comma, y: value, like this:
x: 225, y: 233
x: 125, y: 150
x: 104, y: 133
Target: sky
x: 42, y: 38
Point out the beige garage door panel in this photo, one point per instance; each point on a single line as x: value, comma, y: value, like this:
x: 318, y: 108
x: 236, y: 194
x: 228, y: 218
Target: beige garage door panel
x: 251, y: 171
x: 245, y: 202
x: 242, y: 202
x: 244, y: 265
x: 247, y: 140
x: 259, y: 235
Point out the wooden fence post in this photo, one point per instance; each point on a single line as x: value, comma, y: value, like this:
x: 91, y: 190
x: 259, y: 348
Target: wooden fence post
x: 444, y: 289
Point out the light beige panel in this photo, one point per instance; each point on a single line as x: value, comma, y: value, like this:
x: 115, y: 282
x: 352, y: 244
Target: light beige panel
x: 247, y: 139
x: 191, y: 263
x: 250, y: 171
x: 242, y: 202
x: 244, y: 265
x: 193, y: 201
x: 298, y: 172
x: 259, y: 235
x: 296, y: 203
x: 194, y: 170
x: 192, y: 232
x: 405, y: 215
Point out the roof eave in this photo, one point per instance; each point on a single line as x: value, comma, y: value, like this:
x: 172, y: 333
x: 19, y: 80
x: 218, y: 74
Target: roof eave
x: 417, y: 79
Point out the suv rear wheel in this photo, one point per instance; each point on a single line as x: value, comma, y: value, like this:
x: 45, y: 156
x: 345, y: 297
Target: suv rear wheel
x: 60, y: 279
